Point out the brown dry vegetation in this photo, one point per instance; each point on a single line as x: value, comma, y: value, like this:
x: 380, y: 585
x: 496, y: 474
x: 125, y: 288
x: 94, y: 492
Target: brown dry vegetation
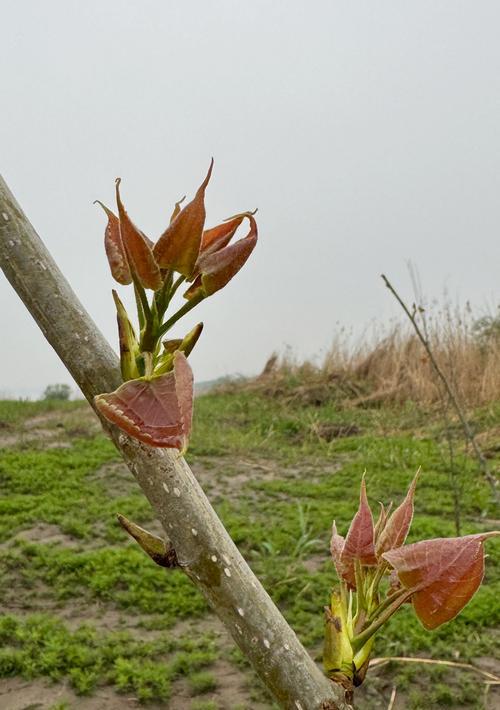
x: 393, y: 366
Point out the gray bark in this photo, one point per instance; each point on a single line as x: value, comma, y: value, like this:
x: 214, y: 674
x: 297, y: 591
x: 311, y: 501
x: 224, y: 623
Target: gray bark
x: 204, y: 549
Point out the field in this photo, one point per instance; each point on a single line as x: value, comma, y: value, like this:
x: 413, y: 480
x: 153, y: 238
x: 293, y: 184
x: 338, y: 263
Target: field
x: 88, y: 621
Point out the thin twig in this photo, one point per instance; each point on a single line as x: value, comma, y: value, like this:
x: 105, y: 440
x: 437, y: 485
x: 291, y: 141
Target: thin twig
x: 453, y: 398
x: 392, y: 699
x: 377, y: 662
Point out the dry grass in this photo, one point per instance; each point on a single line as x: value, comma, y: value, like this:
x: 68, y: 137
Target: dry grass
x: 393, y: 366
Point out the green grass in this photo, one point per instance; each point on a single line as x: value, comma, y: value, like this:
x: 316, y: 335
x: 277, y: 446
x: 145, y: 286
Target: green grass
x: 59, y: 487
x: 40, y: 645
x: 280, y: 516
x: 123, y: 576
x: 205, y: 705
x: 202, y: 682
x: 14, y: 411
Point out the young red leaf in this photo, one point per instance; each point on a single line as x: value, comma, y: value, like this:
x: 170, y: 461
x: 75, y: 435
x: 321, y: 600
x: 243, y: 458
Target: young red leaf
x: 443, y: 573
x: 157, y: 411
x: 381, y: 520
x: 359, y: 542
x: 138, y: 248
x: 344, y: 570
x: 115, y: 251
x: 177, y: 209
x: 394, y: 583
x: 179, y: 245
x: 218, y: 237
x: 218, y: 268
x: 396, y: 528
x: 336, y: 544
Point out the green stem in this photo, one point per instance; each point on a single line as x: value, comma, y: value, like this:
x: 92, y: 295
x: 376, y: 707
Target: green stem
x: 359, y: 641
x: 376, y: 579
x: 142, y: 303
x: 175, y: 286
x: 181, y: 312
x: 171, y: 292
x: 148, y: 318
x: 360, y: 591
x: 140, y: 310
x: 149, y: 335
x: 148, y: 364
x: 162, y: 296
x: 381, y: 607
x: 346, y: 597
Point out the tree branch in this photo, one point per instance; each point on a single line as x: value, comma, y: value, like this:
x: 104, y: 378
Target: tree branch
x: 204, y: 549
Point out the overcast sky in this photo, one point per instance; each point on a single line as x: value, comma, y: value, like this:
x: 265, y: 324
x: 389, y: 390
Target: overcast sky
x: 367, y: 134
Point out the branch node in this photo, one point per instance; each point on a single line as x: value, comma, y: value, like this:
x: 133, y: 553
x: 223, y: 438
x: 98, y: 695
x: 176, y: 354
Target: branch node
x: 161, y: 552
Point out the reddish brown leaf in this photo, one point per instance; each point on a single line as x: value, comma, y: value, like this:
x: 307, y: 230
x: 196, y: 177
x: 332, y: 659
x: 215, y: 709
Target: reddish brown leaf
x: 219, y: 237
x: 381, y: 520
x: 394, y: 582
x: 344, y: 570
x: 115, y: 251
x: 158, y: 411
x: 138, y: 248
x: 359, y: 542
x: 218, y: 268
x: 148, y: 241
x: 336, y: 544
x: 396, y: 528
x: 177, y: 209
x: 179, y: 245
x: 443, y: 573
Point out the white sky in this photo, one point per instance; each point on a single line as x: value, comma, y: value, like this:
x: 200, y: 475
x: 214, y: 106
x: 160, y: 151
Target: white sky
x: 367, y: 133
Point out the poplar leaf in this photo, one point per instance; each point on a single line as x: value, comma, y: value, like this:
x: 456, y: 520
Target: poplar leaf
x: 443, y: 574
x: 179, y: 245
x: 345, y: 570
x: 218, y: 237
x: 397, y: 526
x: 381, y: 520
x: 115, y: 251
x: 359, y: 542
x: 218, y: 268
x: 138, y: 248
x: 157, y: 411
x: 177, y: 209
x: 337, y: 543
